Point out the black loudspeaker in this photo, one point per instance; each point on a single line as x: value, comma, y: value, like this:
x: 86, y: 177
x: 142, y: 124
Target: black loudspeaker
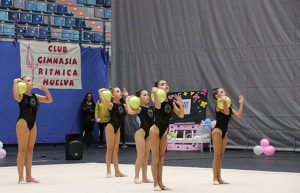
x: 74, y: 146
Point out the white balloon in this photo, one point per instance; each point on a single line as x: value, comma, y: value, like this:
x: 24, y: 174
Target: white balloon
x: 2, y: 153
x: 258, y: 150
x: 1, y: 145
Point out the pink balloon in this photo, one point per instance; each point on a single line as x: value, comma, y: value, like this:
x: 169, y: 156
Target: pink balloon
x: 2, y: 153
x: 268, y: 151
x: 264, y: 143
x: 272, y: 149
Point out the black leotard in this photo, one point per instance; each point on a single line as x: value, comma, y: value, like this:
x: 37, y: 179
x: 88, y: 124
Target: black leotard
x: 147, y: 119
x: 163, y: 116
x: 117, y: 116
x: 28, y: 107
x: 222, y: 121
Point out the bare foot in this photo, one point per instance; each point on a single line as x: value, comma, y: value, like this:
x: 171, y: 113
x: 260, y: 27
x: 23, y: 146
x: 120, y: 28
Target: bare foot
x: 157, y: 188
x: 137, y: 181
x: 163, y: 187
x: 32, y: 180
x: 22, y: 181
x: 147, y: 180
x: 108, y: 175
x: 222, y: 181
x: 120, y: 175
x: 216, y: 182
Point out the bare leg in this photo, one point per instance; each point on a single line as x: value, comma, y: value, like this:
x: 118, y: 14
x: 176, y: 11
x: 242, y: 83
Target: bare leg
x: 162, y: 150
x: 29, y: 154
x: 217, y: 144
x: 23, y: 139
x: 223, y: 148
x: 118, y: 173
x: 145, y: 162
x: 140, y: 149
x: 110, y: 140
x: 154, y: 146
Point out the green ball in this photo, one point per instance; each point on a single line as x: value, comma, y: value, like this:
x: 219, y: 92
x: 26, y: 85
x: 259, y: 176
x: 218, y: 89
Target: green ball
x: 161, y: 94
x: 220, y: 103
x: 22, y: 87
x: 134, y: 102
x: 107, y: 95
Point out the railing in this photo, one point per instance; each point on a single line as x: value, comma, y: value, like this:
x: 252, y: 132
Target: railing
x: 53, y: 27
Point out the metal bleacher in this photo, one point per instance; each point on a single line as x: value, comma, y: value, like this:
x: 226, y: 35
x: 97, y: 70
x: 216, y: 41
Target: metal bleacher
x: 78, y: 21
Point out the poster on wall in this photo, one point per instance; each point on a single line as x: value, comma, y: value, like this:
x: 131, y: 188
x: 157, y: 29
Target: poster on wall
x: 194, y: 104
x: 56, y: 65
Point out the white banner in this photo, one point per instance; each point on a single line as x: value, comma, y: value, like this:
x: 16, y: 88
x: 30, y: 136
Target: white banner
x: 56, y: 65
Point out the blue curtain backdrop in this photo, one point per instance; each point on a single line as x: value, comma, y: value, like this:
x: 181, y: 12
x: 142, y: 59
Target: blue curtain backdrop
x: 54, y: 120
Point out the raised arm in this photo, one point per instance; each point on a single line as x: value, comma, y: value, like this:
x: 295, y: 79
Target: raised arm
x: 225, y: 109
x: 157, y: 104
x: 102, y: 99
x: 17, y: 96
x: 238, y: 114
x: 178, y: 106
x: 47, y: 98
x: 129, y: 110
x: 125, y: 93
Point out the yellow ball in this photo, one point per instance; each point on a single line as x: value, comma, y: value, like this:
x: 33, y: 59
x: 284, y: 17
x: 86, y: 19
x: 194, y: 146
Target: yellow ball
x: 161, y: 94
x: 22, y: 87
x: 220, y: 103
x: 107, y: 95
x: 134, y: 102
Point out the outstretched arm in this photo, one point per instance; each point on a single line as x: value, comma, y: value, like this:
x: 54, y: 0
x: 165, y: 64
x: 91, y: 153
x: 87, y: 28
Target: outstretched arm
x: 47, y: 98
x: 238, y: 114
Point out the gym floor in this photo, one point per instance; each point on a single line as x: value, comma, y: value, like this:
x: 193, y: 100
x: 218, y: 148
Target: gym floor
x: 184, y: 172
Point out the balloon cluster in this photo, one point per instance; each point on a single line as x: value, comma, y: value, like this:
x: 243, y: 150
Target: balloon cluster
x: 264, y: 148
x: 2, y: 151
x: 205, y: 127
x: 208, y: 122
